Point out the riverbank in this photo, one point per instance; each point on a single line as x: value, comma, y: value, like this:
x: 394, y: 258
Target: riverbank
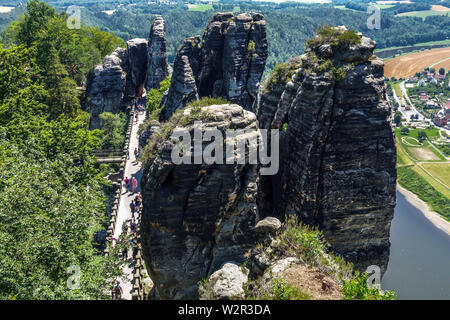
x: 432, y: 216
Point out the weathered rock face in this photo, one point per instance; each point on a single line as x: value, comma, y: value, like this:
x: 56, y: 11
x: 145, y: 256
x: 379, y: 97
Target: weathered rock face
x: 126, y: 72
x: 196, y: 217
x: 158, y: 67
x: 228, y: 62
x: 337, y: 154
x: 106, y: 87
x: 337, y: 161
x: 182, y: 86
x: 137, y: 66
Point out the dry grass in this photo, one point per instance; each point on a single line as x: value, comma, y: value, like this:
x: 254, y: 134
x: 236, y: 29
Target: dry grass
x: 313, y: 282
x: 423, y: 154
x: 409, y: 64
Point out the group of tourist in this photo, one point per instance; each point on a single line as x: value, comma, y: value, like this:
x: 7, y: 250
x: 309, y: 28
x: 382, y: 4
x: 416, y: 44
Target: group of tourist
x: 131, y: 184
x: 135, y: 207
x: 139, y: 108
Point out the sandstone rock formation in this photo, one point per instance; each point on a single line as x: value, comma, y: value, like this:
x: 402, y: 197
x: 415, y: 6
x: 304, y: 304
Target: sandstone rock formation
x: 137, y: 63
x: 158, y: 67
x: 227, y: 62
x: 182, y: 86
x: 106, y: 86
x: 197, y: 216
x: 337, y: 153
x: 337, y: 157
x: 126, y: 72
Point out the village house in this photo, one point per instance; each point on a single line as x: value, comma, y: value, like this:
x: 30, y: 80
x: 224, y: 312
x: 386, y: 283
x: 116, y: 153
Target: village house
x: 431, y: 104
x: 423, y: 96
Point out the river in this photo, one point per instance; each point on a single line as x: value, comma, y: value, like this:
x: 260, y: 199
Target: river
x: 419, y: 262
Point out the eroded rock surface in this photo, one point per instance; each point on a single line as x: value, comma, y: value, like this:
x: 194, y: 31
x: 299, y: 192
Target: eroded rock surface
x: 197, y: 216
x: 158, y: 67
x: 137, y: 63
x: 337, y: 160
x: 227, y: 62
x: 125, y: 74
x: 338, y: 154
x: 105, y: 88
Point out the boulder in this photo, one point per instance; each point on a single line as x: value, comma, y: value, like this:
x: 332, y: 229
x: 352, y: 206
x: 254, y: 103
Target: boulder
x: 269, y: 225
x: 227, y: 282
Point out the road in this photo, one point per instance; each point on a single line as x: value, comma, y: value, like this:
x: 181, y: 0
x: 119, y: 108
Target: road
x: 413, y: 110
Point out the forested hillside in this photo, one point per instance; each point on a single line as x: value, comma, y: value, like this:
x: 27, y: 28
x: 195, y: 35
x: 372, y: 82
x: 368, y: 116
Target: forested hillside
x: 289, y: 25
x: 51, y: 198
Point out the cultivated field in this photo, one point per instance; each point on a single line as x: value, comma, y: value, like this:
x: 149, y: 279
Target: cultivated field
x: 407, y: 65
x: 443, y: 64
x: 439, y: 8
x: 423, y: 14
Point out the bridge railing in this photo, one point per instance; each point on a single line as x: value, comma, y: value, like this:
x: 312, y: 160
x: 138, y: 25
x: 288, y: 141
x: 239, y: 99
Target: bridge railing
x: 139, y: 271
x: 116, y: 204
x: 107, y: 153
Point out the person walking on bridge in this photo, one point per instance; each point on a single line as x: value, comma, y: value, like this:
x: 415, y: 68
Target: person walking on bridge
x: 134, y: 184
x: 117, y: 291
x: 133, y: 208
x: 126, y: 181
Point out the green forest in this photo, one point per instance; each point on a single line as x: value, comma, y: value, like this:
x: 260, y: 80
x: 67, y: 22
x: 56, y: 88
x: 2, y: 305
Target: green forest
x: 52, y: 202
x: 289, y: 25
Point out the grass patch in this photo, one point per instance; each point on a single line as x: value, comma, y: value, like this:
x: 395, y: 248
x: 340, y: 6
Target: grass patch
x: 358, y: 289
x: 178, y: 119
x: 402, y: 158
x: 422, y: 14
x: 398, y: 91
x: 441, y: 170
x: 307, y: 244
x: 415, y: 152
x: 277, y: 290
x: 200, y: 7
x: 281, y: 74
x: 207, y: 101
x: 415, y: 183
x: 335, y: 37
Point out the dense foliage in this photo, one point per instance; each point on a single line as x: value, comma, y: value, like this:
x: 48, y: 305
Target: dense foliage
x: 413, y: 182
x: 155, y: 95
x: 51, y: 198
x: 289, y: 25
